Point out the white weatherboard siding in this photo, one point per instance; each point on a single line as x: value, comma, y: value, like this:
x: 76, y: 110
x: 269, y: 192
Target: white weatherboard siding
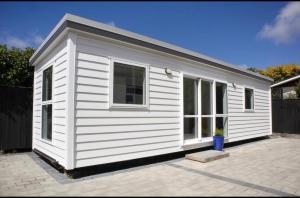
x: 57, y: 147
x: 106, y: 135
x: 245, y: 125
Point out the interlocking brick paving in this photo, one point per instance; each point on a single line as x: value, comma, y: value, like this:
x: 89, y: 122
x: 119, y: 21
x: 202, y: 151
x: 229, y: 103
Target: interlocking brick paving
x: 267, y: 167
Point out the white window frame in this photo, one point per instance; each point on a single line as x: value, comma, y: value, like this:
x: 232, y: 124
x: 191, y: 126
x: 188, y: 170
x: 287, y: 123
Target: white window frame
x: 213, y: 82
x: 198, y: 115
x: 47, y: 102
x: 213, y: 110
x: 244, y: 99
x: 113, y: 105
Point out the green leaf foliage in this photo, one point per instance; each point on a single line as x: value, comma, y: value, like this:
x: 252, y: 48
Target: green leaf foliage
x: 14, y: 67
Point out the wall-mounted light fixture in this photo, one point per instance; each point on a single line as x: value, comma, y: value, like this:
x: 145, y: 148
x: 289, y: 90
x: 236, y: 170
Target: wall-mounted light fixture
x: 233, y: 85
x: 168, y: 71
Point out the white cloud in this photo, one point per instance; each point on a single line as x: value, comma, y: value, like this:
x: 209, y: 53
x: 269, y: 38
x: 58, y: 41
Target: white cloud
x: 33, y: 40
x: 37, y: 39
x: 111, y: 23
x: 12, y: 41
x: 286, y: 26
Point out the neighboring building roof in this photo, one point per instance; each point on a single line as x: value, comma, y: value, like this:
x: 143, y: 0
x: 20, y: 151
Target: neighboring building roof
x: 83, y: 24
x: 286, y: 81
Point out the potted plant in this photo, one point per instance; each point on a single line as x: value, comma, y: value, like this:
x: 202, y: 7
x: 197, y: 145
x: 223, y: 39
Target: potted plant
x: 218, y: 139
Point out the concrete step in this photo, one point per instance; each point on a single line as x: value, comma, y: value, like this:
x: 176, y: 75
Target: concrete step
x: 207, y: 156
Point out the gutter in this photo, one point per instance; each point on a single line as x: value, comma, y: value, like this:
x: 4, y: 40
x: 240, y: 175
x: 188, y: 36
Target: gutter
x: 86, y: 25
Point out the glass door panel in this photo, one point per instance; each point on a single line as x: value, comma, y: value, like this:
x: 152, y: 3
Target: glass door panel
x: 190, y: 100
x: 206, y: 109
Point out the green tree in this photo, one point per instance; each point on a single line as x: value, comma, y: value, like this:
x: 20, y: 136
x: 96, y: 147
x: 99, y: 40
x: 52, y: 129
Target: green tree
x: 253, y: 69
x: 281, y: 72
x: 14, y: 66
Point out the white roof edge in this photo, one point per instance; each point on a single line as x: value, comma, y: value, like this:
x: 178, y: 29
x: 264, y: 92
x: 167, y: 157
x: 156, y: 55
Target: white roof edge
x: 108, y: 28
x: 285, y: 81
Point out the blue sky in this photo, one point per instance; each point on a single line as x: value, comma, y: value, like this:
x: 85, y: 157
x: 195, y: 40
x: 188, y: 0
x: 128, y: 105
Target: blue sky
x: 242, y: 33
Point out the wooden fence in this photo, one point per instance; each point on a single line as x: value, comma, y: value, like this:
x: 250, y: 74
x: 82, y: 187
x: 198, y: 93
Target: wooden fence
x: 15, y: 118
x: 286, y: 115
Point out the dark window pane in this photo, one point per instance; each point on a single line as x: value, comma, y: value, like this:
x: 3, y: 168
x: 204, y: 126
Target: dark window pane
x: 221, y: 123
x: 249, y: 99
x: 190, y: 96
x: 47, y: 122
x: 128, y: 84
x: 47, y: 84
x: 206, y: 97
x: 221, y: 98
x: 206, y: 127
x: 190, y: 128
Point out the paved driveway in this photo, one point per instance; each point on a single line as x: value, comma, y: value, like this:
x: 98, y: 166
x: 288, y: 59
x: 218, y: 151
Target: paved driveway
x: 268, y: 167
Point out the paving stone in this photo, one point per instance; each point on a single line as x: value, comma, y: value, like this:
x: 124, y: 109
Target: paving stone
x: 263, y: 168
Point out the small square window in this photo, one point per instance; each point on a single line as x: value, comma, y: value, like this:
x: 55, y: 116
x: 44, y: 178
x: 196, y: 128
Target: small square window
x: 128, y: 84
x: 249, y: 99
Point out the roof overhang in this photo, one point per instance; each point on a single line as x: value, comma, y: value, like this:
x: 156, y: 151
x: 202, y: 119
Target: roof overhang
x: 286, y: 81
x: 90, y: 26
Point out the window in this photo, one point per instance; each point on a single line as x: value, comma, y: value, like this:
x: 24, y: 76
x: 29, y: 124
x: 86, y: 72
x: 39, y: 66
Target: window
x: 249, y: 99
x: 47, y: 104
x: 221, y: 107
x: 206, y: 106
x: 129, y: 84
x: 190, y: 94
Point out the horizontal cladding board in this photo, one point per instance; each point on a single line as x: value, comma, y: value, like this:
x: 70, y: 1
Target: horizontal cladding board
x: 59, y: 105
x: 154, y: 107
x: 59, y: 98
x: 60, y: 75
x: 160, y: 70
x: 125, y: 143
x: 124, y: 128
x: 128, y: 156
x: 59, y: 128
x: 123, y: 121
x: 249, y: 130
x: 92, y: 65
x: 248, y: 118
x: 120, y: 114
x: 91, y: 105
x: 92, y: 73
x: 52, y: 152
x: 90, y: 57
x: 246, y: 122
x: 249, y: 114
x: 158, y: 88
x: 237, y: 137
x: 124, y: 150
x: 235, y: 98
x: 164, y: 83
x: 232, y: 126
x: 92, y: 81
x: 60, y: 121
x: 164, y: 95
x: 164, y: 102
x: 163, y: 77
x: 59, y: 90
x: 50, y: 147
x: 92, y: 89
x: 127, y: 135
x: 91, y: 97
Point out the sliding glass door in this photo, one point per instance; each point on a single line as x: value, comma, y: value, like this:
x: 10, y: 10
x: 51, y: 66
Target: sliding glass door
x: 205, y: 109
x: 221, y: 107
x: 190, y: 94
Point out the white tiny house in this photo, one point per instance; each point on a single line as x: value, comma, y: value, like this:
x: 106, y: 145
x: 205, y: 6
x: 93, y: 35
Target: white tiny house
x: 102, y: 95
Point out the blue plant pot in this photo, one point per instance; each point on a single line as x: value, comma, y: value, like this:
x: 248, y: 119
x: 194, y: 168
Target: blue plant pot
x: 218, y: 143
